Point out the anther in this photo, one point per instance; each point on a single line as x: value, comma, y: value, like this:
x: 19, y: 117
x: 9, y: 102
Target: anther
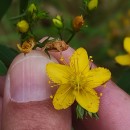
x: 51, y: 96
x: 62, y: 58
x: 49, y: 82
x: 90, y: 57
x: 104, y: 86
x: 100, y: 94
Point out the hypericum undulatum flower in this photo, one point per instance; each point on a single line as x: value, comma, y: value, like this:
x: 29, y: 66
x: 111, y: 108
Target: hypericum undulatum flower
x: 57, y: 21
x: 27, y: 46
x: 124, y: 59
x: 22, y: 26
x: 92, y: 4
x: 77, y: 81
x: 78, y: 22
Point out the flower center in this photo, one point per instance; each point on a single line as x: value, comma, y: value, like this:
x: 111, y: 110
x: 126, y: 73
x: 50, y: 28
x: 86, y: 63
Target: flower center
x: 77, y: 82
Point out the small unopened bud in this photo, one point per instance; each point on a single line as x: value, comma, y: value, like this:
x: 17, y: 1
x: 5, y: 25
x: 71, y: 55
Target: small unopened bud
x: 57, y: 21
x: 92, y: 4
x: 22, y: 26
x: 32, y: 8
x: 78, y: 22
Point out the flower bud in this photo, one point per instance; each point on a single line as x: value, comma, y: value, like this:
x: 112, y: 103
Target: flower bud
x: 92, y: 4
x: 23, y: 26
x: 58, y: 22
x: 32, y: 8
x: 78, y: 22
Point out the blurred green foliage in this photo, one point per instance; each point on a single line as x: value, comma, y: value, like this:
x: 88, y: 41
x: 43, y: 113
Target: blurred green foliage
x: 108, y: 24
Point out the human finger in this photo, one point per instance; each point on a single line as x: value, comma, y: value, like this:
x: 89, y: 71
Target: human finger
x: 114, y: 105
x: 27, y: 104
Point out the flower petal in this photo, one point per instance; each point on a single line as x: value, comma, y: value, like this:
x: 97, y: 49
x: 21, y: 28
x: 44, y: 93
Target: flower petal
x: 127, y: 44
x: 88, y: 99
x: 58, y: 73
x: 79, y: 61
x: 123, y: 59
x: 64, y: 97
x: 97, y: 77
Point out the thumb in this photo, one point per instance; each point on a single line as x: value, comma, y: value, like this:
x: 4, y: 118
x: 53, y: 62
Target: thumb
x: 27, y: 104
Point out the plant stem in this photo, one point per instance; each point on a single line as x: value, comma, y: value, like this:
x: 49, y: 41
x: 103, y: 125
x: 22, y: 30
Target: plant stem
x: 73, y: 34
x: 59, y: 32
x: 17, y: 17
x: 23, y: 5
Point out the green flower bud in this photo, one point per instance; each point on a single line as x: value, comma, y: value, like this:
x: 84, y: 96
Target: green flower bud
x: 92, y: 4
x: 58, y: 22
x: 23, y: 26
x: 32, y: 8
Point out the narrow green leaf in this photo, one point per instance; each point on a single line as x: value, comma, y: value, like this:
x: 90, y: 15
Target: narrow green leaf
x: 3, y: 69
x: 4, y: 5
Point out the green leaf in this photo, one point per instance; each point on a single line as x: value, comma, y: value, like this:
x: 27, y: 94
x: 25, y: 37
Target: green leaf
x: 124, y: 81
x: 80, y: 112
x: 3, y: 69
x: 7, y: 55
x: 4, y: 5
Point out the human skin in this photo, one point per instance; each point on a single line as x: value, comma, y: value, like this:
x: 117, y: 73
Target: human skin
x: 27, y: 104
x: 24, y: 109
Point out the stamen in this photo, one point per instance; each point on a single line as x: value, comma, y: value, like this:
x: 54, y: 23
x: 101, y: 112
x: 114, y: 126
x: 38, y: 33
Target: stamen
x: 51, y: 96
x: 49, y: 82
x: 104, y: 85
x: 100, y: 94
x: 54, y: 85
x: 63, y: 60
x: 90, y: 57
x: 91, y: 60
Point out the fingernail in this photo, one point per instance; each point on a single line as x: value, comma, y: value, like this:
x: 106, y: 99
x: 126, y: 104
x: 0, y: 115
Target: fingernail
x: 28, y: 80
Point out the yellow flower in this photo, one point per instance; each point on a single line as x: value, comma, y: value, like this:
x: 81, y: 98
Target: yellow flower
x: 27, y: 46
x: 78, y: 22
x: 77, y: 82
x: 124, y: 59
x: 23, y: 26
